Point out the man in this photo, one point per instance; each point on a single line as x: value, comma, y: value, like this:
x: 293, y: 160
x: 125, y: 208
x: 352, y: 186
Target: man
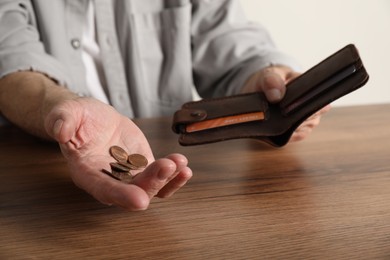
x: 76, y: 71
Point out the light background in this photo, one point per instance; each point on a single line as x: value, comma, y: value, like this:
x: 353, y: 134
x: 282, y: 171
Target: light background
x: 311, y: 30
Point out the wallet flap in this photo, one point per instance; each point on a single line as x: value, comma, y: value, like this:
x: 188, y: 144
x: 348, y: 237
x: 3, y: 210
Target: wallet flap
x: 325, y: 71
x: 186, y: 116
x: 233, y: 108
x: 282, y: 135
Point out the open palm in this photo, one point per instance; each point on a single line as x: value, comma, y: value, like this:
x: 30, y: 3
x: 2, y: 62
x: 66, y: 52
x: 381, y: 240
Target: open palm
x: 86, y: 128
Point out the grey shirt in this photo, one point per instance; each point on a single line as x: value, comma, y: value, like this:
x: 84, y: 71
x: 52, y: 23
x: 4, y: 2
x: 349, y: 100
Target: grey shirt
x: 153, y: 51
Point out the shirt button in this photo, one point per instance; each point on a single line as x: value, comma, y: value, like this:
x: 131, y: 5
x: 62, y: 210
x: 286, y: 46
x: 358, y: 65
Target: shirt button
x: 76, y: 44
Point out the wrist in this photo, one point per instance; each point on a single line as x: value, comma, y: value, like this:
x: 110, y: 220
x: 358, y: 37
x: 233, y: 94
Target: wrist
x: 26, y: 99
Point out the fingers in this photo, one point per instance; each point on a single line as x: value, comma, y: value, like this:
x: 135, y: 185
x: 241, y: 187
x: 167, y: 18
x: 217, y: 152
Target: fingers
x: 301, y: 133
x: 181, y: 176
x: 179, y: 181
x: 325, y: 109
x: 308, y: 125
x: 306, y: 128
x: 164, y: 176
x: 161, y: 178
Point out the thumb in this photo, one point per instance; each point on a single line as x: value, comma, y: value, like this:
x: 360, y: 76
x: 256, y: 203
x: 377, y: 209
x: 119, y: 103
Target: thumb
x: 61, y: 125
x: 272, y: 85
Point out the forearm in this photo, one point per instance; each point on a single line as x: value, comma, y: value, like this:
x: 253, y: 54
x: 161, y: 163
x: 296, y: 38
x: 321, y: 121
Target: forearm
x: 27, y: 97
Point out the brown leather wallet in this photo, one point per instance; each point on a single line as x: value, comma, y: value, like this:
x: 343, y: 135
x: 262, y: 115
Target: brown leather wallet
x: 252, y: 116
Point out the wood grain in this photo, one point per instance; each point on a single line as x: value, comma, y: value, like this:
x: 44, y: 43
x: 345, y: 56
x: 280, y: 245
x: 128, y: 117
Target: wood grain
x: 324, y: 198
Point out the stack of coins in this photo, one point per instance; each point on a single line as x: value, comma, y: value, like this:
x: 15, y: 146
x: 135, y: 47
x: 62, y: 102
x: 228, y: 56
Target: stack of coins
x: 125, y: 163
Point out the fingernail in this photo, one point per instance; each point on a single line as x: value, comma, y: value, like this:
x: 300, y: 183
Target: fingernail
x: 274, y: 94
x: 271, y: 85
x: 57, y: 127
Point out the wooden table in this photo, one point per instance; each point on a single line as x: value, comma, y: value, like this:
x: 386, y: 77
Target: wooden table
x: 327, y: 197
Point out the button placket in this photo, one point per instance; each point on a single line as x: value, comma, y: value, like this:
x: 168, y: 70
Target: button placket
x: 74, y: 18
x: 111, y: 58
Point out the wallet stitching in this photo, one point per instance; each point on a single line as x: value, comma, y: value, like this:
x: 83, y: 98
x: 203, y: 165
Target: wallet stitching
x: 263, y: 106
x: 218, y: 100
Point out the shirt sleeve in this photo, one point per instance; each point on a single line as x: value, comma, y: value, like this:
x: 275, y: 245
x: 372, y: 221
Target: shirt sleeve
x: 20, y: 45
x: 228, y: 49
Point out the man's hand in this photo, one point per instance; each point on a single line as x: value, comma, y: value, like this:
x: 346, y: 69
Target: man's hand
x: 272, y: 82
x: 86, y: 129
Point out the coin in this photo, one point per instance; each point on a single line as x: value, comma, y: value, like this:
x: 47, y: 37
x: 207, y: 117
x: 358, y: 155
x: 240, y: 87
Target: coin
x: 111, y: 174
x: 126, y: 177
x: 119, y: 167
x: 118, y: 153
x: 137, y: 160
x: 128, y: 165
